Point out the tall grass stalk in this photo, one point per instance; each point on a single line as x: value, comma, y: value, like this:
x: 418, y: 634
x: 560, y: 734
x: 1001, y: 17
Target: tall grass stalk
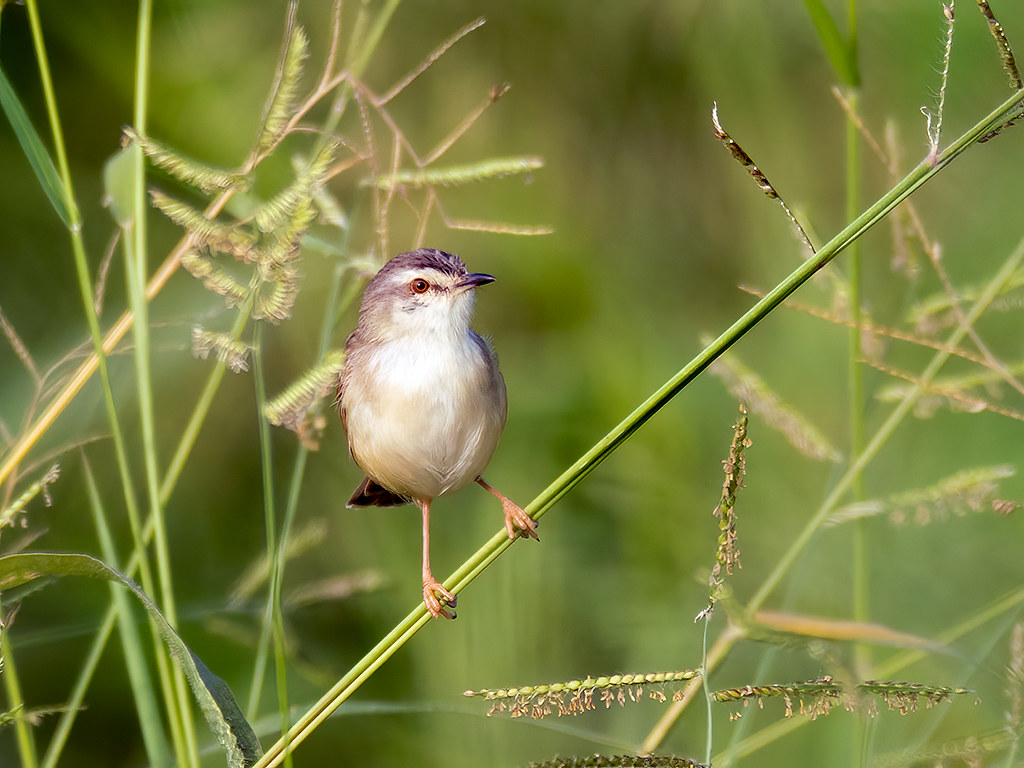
x: 272, y: 616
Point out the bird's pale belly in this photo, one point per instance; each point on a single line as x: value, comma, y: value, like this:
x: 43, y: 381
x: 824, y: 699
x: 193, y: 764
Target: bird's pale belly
x: 421, y: 434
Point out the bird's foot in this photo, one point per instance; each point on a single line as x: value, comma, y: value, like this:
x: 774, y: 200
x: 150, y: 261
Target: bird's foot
x: 517, y: 522
x: 438, y: 599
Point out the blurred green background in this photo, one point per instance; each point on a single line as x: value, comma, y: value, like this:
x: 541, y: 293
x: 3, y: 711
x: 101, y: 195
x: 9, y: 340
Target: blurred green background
x: 655, y: 227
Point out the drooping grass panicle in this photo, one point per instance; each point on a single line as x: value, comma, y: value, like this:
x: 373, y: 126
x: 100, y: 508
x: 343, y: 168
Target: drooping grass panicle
x: 970, y: 490
x: 185, y: 169
x: 578, y: 696
x: 619, y: 761
x: 741, y: 156
x: 745, y: 385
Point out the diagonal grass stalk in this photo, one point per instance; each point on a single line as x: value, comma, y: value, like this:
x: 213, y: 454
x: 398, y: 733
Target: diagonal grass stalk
x: 500, y: 542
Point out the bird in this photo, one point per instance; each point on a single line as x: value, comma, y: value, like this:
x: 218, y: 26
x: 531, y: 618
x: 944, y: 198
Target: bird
x: 421, y: 397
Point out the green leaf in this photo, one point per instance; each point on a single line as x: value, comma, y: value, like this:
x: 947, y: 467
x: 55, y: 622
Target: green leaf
x: 119, y: 185
x: 840, y: 52
x: 212, y: 694
x: 34, y: 149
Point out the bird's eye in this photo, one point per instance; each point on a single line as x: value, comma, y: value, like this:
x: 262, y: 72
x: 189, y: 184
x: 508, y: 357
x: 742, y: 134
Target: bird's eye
x: 419, y: 285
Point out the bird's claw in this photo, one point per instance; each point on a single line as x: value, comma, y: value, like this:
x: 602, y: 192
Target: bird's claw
x: 437, y: 599
x: 518, y: 523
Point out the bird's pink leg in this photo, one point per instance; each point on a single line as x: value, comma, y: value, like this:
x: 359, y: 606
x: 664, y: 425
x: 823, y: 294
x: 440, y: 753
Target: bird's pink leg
x: 435, y: 596
x: 517, y: 522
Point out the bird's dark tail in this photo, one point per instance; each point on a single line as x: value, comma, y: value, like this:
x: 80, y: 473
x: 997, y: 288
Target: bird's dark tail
x: 370, y: 494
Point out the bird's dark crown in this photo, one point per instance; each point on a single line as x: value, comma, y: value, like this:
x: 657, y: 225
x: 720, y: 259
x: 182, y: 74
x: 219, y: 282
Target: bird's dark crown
x: 427, y: 258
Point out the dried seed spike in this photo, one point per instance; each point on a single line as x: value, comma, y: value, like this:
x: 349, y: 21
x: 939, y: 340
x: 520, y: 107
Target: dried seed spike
x: 1003, y: 45
x: 741, y: 156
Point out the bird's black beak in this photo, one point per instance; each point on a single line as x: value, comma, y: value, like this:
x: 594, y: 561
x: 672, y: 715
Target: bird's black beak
x: 474, y: 280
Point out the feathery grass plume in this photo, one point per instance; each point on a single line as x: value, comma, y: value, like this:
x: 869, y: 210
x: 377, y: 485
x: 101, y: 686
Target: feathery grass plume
x: 286, y: 84
x: 291, y: 408
x: 949, y: 391
x: 456, y: 174
x: 727, y: 558
x: 969, y: 490
x: 40, y: 486
x: 229, y: 351
x: 212, y: 235
x: 275, y: 299
x: 741, y: 156
x: 817, y: 698
x: 577, y: 696
x: 749, y: 388
x: 933, y: 121
x: 292, y: 208
x: 192, y: 172
x: 619, y: 761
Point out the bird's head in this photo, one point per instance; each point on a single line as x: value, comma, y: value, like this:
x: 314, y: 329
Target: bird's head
x: 420, y: 292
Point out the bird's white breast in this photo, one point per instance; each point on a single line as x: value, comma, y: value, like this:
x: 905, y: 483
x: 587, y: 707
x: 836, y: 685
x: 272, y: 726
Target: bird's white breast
x: 423, y: 415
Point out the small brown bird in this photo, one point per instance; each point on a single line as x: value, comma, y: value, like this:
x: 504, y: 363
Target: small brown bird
x: 421, y: 397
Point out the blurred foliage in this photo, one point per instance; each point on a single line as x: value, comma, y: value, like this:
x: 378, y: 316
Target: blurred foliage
x: 654, y: 228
